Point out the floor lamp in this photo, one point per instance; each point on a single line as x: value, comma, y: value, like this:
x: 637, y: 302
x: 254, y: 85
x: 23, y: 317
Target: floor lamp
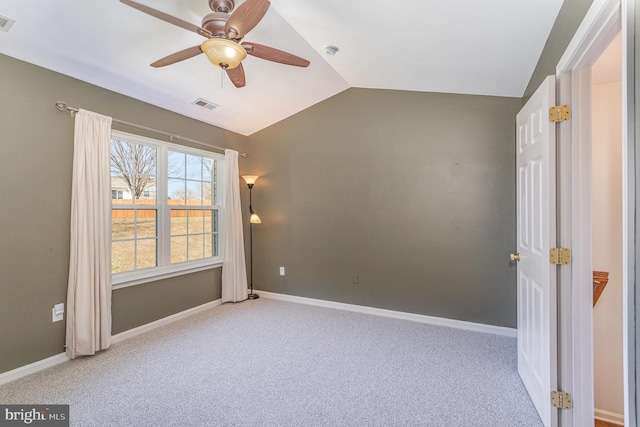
x: 253, y: 219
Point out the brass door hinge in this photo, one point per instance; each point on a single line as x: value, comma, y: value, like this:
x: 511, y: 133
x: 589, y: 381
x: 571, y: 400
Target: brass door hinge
x: 561, y: 400
x: 559, y: 113
x: 560, y: 256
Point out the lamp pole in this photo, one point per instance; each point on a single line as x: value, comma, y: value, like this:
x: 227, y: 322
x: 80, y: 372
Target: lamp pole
x: 253, y: 219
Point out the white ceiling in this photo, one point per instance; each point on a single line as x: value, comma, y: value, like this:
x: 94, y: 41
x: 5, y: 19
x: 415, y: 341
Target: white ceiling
x: 487, y: 47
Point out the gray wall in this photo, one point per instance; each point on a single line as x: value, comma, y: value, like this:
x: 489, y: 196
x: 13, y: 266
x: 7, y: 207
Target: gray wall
x: 415, y: 192
x: 35, y: 171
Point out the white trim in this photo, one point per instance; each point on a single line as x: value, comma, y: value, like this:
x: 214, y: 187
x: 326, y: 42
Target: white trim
x: 159, y: 273
x: 610, y: 417
x: 629, y: 213
x: 421, y: 318
x: 600, y: 25
x: 32, y: 368
x: 598, y: 28
x: 164, y: 321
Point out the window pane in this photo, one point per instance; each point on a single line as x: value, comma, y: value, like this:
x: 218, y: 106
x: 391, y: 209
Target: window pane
x: 146, y: 253
x: 196, y: 247
x: 208, y: 245
x: 178, y: 249
x: 176, y: 165
x: 215, y: 221
x: 140, y: 187
x: 124, y: 196
x: 178, y: 222
x: 206, y: 193
x: 194, y: 167
x: 177, y: 191
x: 133, y: 169
x: 122, y: 224
x: 194, y: 193
x: 215, y: 245
x: 195, y: 222
x: 146, y: 224
x: 207, y: 169
x: 207, y: 221
x: 146, y: 193
x: 122, y: 256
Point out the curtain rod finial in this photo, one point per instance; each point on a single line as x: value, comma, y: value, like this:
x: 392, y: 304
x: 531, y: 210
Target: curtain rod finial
x: 61, y: 106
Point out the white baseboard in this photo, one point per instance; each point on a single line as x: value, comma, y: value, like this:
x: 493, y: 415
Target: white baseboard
x: 164, y: 321
x: 610, y: 417
x: 32, y: 368
x: 421, y: 318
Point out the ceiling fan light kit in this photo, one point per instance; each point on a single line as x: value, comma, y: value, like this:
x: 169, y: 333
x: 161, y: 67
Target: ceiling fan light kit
x: 223, y: 53
x: 224, y: 31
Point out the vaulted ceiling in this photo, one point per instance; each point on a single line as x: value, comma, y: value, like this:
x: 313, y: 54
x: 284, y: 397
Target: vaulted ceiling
x: 487, y: 47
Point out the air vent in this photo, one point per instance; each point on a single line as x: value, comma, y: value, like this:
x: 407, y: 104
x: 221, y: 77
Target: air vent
x: 6, y: 23
x: 205, y: 104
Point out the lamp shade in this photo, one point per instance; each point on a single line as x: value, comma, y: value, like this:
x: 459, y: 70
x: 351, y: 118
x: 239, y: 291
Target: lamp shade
x: 255, y: 219
x: 250, y: 179
x: 223, y: 53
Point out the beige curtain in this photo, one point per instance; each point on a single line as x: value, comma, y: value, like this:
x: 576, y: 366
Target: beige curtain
x: 234, y: 269
x: 89, y: 291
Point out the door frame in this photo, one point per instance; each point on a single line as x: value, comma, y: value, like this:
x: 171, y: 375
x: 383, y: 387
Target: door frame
x: 604, y: 20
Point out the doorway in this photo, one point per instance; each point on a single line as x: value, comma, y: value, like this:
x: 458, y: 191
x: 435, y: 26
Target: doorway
x: 606, y: 233
x: 604, y: 21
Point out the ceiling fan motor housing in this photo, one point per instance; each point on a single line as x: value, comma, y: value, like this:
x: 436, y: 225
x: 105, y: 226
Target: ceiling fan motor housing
x: 215, y: 22
x: 221, y: 5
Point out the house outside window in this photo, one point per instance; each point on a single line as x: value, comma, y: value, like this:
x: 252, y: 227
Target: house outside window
x: 166, y: 209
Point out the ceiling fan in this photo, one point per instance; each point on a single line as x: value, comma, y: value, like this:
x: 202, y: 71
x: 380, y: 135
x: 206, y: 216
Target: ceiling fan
x: 224, y: 32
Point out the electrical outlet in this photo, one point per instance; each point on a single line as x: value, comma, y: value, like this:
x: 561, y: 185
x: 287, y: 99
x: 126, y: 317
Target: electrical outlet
x: 57, y: 312
x: 355, y: 279
x: 282, y: 271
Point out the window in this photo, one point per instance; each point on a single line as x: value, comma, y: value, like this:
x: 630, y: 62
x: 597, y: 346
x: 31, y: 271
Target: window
x: 166, y: 209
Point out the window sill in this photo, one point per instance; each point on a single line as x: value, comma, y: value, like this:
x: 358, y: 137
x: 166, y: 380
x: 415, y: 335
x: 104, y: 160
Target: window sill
x: 124, y: 280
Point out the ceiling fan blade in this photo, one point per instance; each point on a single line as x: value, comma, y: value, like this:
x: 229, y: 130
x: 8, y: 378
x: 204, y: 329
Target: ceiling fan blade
x: 236, y: 75
x: 178, y: 56
x: 167, y: 18
x: 245, y: 17
x: 273, y: 54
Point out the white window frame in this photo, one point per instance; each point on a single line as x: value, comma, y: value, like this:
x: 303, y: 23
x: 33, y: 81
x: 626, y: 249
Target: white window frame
x: 164, y: 268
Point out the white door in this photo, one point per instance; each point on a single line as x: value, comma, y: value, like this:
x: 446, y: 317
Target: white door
x: 536, y: 208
